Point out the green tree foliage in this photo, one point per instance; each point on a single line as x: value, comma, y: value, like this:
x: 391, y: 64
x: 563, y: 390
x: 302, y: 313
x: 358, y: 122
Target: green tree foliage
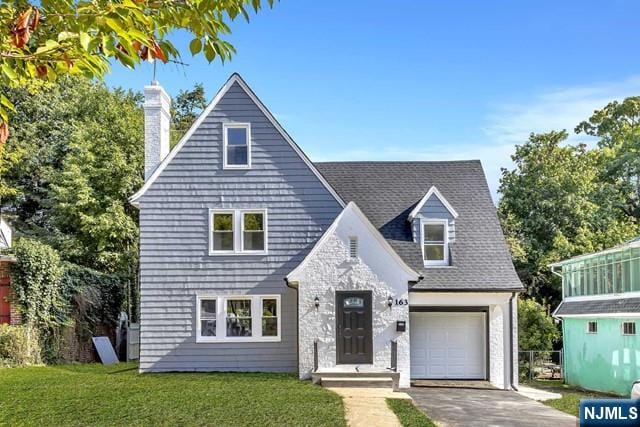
x: 536, y: 329
x: 48, y: 38
x: 185, y: 109
x: 38, y: 292
x: 618, y: 127
x: 72, y: 164
x: 561, y: 200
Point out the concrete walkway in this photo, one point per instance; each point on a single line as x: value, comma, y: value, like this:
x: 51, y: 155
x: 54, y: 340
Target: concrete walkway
x: 537, y: 394
x: 485, y: 407
x: 367, y: 407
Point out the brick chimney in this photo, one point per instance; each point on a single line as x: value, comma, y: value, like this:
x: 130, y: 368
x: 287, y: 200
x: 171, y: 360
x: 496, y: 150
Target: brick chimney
x: 157, y: 116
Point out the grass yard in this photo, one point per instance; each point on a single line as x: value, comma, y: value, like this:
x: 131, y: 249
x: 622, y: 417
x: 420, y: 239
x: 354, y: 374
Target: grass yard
x: 570, y: 401
x: 84, y: 395
x: 408, y: 414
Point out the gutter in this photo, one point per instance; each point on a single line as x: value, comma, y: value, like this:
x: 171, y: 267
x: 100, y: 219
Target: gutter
x: 286, y: 282
x: 511, y: 370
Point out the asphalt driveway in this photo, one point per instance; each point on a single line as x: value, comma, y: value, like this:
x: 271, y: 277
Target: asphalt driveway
x: 486, y: 407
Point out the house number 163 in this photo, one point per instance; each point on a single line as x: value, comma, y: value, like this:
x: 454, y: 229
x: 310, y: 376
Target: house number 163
x: 402, y: 301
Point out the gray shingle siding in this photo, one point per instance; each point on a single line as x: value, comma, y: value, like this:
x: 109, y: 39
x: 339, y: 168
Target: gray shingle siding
x: 433, y: 208
x: 174, y: 236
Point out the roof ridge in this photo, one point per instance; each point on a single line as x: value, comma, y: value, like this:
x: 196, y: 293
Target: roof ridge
x: 397, y: 161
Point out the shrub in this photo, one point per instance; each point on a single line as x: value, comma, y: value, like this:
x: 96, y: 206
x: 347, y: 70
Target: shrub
x: 536, y: 329
x: 18, y: 346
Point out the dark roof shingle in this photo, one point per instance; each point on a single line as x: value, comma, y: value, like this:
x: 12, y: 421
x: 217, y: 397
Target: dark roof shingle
x: 387, y: 192
x: 603, y: 306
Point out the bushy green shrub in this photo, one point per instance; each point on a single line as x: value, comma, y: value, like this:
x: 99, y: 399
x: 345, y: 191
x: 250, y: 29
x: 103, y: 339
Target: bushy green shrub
x: 536, y: 328
x: 18, y: 346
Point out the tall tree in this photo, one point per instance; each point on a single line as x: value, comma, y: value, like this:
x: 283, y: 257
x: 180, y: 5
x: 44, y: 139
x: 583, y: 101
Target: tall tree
x: 76, y: 157
x: 618, y: 127
x: 553, y: 206
x: 47, y: 38
x: 185, y: 109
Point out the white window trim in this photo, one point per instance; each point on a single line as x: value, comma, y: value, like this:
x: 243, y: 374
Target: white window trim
x: 445, y: 222
x: 221, y: 318
x: 226, y: 126
x: 622, y: 329
x: 238, y: 232
x: 587, y: 328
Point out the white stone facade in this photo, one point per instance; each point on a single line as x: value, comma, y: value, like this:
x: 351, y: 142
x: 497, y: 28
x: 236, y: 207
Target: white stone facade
x: 329, y: 268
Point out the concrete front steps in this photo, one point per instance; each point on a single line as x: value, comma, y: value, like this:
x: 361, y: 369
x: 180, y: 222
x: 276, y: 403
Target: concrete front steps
x: 373, y: 379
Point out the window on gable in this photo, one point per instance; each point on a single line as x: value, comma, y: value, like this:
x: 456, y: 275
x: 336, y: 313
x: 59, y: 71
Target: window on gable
x: 628, y: 328
x: 434, y: 240
x: 237, y: 145
x: 238, y: 231
x: 222, y: 224
x: 592, y: 327
x: 253, y: 231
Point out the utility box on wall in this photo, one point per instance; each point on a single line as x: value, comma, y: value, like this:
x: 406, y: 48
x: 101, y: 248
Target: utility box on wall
x: 401, y: 326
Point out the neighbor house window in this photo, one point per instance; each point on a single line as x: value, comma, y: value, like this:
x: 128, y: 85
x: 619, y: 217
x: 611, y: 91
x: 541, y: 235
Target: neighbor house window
x: 434, y: 242
x: 253, y: 231
x: 223, y: 225
x: 237, y: 145
x: 592, y: 327
x: 628, y: 328
x: 238, y: 231
x: 238, y: 318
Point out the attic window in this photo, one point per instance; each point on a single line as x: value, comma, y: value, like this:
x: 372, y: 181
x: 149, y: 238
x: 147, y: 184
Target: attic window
x: 237, y: 145
x: 353, y: 247
x: 435, y: 245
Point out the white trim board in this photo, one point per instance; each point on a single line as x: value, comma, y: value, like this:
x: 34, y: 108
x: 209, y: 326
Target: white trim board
x: 433, y: 190
x: 235, y: 78
x: 606, y: 315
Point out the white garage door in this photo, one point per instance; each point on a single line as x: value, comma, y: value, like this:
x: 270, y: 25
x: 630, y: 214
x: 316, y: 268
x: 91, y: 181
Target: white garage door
x: 448, y: 345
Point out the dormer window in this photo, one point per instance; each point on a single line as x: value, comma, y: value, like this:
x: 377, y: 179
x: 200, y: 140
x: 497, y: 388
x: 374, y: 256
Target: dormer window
x: 435, y: 247
x: 237, y: 145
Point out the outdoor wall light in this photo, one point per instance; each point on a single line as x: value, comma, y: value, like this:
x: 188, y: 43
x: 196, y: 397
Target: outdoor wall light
x: 390, y: 301
x: 316, y: 302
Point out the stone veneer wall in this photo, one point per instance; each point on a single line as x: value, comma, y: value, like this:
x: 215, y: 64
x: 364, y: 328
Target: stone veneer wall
x: 330, y: 270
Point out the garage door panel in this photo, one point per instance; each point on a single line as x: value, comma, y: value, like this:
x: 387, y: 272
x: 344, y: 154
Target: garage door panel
x: 448, y: 345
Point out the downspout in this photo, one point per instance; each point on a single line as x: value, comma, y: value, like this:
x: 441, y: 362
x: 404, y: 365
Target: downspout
x: 286, y: 282
x: 513, y: 386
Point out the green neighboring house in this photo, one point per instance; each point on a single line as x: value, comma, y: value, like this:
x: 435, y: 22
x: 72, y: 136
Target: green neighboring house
x: 600, y: 313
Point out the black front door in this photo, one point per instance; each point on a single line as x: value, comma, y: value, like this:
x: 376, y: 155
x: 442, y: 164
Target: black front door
x: 354, y: 332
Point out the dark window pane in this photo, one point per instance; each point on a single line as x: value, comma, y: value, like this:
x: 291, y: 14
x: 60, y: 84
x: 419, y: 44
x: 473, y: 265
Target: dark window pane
x: 223, y: 222
x: 269, y: 307
x: 434, y: 233
x: 237, y: 155
x: 236, y: 136
x: 254, y: 240
x: 238, y: 308
x: 238, y: 327
x: 353, y: 302
x: 207, y: 308
x: 434, y: 252
x: 222, y: 241
x: 253, y: 221
x: 208, y: 328
x: 270, y: 327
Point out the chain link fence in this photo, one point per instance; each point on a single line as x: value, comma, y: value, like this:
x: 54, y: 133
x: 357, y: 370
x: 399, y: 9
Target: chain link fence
x: 540, y: 365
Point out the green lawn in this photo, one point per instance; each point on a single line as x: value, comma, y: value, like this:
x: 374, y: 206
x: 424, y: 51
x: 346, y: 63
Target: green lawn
x: 570, y: 401
x: 84, y: 395
x: 408, y: 414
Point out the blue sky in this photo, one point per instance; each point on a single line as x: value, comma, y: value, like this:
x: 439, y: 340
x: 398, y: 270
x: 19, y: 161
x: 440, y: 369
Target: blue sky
x: 423, y: 80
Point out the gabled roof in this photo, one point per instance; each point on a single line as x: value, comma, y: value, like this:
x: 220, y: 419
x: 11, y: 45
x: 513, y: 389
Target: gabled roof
x: 387, y: 193
x: 352, y: 207
x: 432, y: 191
x: 235, y: 78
